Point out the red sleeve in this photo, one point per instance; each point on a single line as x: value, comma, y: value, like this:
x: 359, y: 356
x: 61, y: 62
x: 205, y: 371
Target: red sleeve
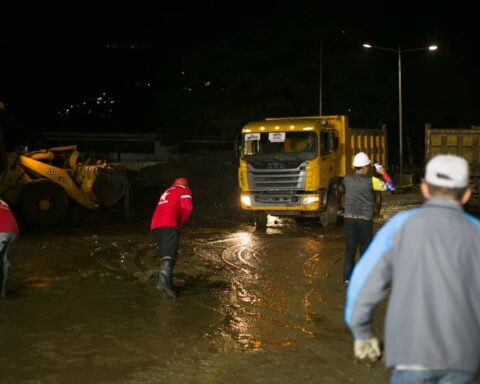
x: 186, y: 205
x: 386, y: 178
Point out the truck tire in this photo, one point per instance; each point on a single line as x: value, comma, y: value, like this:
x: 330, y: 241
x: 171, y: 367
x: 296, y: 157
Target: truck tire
x: 329, y: 217
x: 44, y: 204
x: 260, y: 220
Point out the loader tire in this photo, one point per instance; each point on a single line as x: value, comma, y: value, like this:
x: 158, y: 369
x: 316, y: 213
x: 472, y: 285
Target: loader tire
x: 329, y: 217
x: 44, y: 204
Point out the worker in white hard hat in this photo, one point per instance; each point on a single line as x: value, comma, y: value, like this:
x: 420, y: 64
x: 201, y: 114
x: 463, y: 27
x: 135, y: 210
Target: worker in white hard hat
x: 359, y: 208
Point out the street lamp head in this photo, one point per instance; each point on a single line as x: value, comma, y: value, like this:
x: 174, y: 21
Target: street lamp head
x: 400, y: 112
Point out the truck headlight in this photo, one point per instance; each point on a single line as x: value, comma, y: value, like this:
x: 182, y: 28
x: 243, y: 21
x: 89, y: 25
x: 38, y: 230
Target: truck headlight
x: 310, y: 200
x: 245, y: 199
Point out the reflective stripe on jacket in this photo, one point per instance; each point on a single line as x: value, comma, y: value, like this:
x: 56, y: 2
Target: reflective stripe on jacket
x: 173, y: 208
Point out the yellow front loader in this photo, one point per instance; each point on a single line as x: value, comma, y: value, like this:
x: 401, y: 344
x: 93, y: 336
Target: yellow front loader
x: 43, y: 184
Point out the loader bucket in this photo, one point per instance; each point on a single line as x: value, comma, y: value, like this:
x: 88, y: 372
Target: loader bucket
x: 110, y: 186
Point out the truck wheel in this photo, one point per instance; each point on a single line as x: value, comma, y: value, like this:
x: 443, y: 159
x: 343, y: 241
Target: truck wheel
x: 44, y: 204
x: 329, y: 217
x: 260, y: 220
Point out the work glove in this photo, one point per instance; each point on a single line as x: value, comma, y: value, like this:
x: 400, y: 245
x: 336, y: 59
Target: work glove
x: 367, y: 348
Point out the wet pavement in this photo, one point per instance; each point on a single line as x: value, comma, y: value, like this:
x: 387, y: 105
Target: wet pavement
x: 255, y: 307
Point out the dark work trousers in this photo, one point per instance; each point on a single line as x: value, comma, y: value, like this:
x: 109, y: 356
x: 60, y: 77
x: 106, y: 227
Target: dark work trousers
x: 358, y: 234
x: 167, y: 242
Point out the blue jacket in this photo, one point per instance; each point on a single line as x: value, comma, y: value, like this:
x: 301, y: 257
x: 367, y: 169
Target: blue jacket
x: 430, y: 257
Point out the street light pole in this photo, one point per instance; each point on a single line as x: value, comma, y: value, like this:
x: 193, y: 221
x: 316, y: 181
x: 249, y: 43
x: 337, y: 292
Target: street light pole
x: 321, y: 79
x: 399, y: 52
x: 400, y: 112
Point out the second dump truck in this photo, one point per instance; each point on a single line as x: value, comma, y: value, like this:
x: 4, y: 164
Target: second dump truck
x: 294, y: 166
x: 464, y: 142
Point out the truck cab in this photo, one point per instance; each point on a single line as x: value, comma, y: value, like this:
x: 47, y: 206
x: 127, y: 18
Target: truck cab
x: 294, y: 166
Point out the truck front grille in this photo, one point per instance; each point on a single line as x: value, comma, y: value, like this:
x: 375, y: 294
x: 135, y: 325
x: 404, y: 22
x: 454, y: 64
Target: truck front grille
x: 276, y: 179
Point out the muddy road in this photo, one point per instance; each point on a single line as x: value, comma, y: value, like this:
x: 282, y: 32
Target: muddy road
x: 254, y: 307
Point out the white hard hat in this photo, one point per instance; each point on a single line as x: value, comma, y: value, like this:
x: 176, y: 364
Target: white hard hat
x: 360, y: 160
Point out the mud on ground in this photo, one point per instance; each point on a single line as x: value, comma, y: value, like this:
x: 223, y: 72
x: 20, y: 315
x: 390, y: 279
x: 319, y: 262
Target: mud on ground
x: 255, y: 307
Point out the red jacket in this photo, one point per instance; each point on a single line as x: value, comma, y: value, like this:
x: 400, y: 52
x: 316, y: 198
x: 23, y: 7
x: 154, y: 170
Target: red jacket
x: 7, y: 220
x: 173, y: 208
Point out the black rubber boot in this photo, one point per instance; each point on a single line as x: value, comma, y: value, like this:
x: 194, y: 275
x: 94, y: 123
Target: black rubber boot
x: 165, y: 283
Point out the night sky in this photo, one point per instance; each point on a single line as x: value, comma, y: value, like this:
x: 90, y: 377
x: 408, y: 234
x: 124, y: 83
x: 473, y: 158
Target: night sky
x: 186, y: 70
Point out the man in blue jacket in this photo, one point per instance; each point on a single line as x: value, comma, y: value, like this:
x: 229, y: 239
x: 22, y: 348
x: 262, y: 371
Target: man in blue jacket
x: 430, y: 259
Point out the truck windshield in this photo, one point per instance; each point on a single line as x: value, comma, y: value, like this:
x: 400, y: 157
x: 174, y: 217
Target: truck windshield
x: 300, y: 145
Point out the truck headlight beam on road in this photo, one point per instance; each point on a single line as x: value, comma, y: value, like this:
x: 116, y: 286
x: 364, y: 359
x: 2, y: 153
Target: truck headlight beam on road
x: 399, y: 52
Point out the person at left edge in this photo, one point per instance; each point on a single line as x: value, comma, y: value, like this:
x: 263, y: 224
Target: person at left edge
x: 8, y: 235
x: 173, y: 209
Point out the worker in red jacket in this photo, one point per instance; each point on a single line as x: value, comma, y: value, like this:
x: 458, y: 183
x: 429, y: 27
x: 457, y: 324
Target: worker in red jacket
x: 173, y: 209
x: 8, y: 235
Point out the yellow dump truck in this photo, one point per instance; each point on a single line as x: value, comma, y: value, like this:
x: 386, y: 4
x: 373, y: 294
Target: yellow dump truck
x: 294, y: 166
x: 463, y: 142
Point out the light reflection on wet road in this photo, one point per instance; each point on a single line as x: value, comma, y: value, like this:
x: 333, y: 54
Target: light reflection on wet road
x: 255, y: 307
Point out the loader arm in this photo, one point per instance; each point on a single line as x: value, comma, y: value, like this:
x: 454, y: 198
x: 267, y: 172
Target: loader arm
x: 60, y: 177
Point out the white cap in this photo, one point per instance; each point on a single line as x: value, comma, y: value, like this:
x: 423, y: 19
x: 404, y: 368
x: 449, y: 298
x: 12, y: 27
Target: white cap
x: 360, y: 160
x: 447, y: 171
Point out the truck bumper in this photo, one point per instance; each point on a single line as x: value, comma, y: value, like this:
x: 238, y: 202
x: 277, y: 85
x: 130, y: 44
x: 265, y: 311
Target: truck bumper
x: 288, y: 205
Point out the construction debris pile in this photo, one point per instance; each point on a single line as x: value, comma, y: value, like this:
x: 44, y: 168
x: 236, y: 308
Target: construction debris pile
x: 212, y: 175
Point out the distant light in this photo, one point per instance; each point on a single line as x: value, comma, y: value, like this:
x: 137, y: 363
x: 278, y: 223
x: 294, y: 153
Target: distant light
x: 207, y: 83
x: 432, y: 47
x: 148, y: 84
x: 292, y: 127
x: 247, y: 130
x: 277, y: 128
x: 262, y: 128
x: 367, y: 45
x: 308, y: 128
